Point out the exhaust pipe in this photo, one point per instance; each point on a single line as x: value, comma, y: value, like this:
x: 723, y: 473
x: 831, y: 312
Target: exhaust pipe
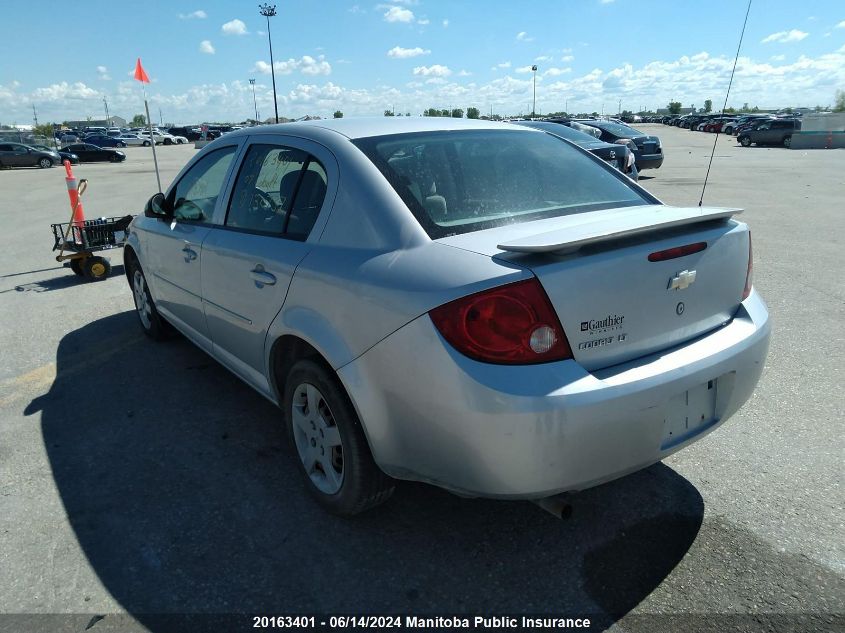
x: 558, y: 505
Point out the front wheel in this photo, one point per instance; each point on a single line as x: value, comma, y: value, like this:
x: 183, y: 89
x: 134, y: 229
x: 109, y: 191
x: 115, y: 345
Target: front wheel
x: 151, y: 322
x: 121, y: 144
x: 787, y: 141
x: 745, y: 141
x: 728, y: 130
x: 44, y: 163
x: 167, y: 141
x: 333, y: 452
x: 146, y: 143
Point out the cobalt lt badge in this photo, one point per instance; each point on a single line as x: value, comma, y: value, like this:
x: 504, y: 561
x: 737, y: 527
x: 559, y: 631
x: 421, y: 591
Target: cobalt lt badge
x: 682, y: 280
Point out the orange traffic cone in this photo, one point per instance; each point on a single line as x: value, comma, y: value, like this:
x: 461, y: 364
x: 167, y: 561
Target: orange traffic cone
x: 78, y: 217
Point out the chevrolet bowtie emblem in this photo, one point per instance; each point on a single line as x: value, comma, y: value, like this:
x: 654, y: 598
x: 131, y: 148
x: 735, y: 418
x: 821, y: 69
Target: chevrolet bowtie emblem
x: 682, y: 280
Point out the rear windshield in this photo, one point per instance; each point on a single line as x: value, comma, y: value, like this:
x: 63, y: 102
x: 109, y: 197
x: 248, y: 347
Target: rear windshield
x: 468, y: 180
x: 620, y: 130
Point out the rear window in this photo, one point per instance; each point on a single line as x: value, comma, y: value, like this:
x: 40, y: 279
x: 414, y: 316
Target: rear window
x: 463, y: 181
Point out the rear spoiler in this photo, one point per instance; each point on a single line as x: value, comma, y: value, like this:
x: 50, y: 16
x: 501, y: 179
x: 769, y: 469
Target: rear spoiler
x: 611, y: 224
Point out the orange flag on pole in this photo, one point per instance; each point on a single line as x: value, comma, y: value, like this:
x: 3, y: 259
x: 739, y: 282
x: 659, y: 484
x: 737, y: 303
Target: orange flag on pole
x: 140, y: 74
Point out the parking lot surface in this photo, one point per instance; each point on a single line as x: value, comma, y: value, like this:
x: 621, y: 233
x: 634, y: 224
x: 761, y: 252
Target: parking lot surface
x: 141, y: 478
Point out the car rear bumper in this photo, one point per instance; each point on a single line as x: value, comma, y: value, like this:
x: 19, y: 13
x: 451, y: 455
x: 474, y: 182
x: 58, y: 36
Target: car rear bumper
x: 434, y: 415
x: 649, y: 161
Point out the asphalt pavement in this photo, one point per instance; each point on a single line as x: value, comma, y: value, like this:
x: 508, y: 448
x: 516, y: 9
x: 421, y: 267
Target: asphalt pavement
x: 139, y: 479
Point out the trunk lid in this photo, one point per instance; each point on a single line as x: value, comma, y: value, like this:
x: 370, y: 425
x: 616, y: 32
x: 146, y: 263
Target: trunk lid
x: 613, y: 303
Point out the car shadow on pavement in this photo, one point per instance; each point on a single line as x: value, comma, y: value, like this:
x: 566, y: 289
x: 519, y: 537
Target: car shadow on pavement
x: 185, y: 497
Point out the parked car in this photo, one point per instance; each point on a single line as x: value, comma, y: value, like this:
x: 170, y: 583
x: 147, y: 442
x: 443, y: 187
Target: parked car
x: 190, y: 134
x: 63, y: 156
x: 104, y: 141
x: 160, y: 138
x: 67, y: 137
x: 89, y: 153
x: 775, y: 132
x: 620, y: 157
x: 472, y: 304
x: 133, y: 140
x: 20, y: 155
x: 648, y: 153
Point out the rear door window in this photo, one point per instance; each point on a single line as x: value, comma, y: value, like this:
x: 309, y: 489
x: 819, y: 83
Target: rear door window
x: 279, y: 191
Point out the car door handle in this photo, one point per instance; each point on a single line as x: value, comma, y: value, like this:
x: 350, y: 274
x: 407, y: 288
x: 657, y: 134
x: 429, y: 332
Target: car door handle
x: 190, y: 254
x: 262, y: 277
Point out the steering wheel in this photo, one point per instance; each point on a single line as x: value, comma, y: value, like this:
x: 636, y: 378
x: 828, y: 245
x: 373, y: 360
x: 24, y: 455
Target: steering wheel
x: 262, y: 203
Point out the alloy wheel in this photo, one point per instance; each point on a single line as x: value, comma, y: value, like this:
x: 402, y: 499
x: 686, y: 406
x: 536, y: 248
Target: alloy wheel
x: 142, y: 304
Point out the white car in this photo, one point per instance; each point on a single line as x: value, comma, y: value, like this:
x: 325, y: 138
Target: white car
x: 163, y: 138
x: 133, y: 140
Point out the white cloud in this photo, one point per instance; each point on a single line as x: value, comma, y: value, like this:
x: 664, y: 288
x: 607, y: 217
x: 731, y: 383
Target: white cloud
x: 841, y: 25
x: 607, y: 1
x: 785, y: 36
x: 398, y: 14
x: 206, y: 47
x: 65, y: 90
x: 103, y: 73
x: 503, y: 65
x: 403, y: 53
x: 464, y: 73
x: 543, y: 58
x: 235, y: 27
x: 306, y: 64
x: 199, y: 14
x: 777, y: 58
x: 523, y: 69
x: 445, y: 23
x: 567, y: 58
x: 554, y: 72
x: 433, y: 71
x: 423, y: 21
x: 522, y: 36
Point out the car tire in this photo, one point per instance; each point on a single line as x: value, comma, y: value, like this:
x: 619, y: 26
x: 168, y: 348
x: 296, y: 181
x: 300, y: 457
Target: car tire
x: 146, y: 143
x: 96, y: 268
x: 787, y: 141
x: 728, y: 130
x: 745, y: 141
x: 167, y: 141
x: 114, y: 158
x: 121, y: 144
x: 330, y: 444
x: 44, y: 163
x: 179, y: 141
x: 152, y: 323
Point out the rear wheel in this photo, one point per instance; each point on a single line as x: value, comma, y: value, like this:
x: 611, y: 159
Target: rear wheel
x: 728, y: 130
x: 146, y: 143
x: 45, y: 162
x: 96, y: 268
x: 745, y: 141
x: 333, y: 452
x: 167, y: 141
x: 787, y: 141
x: 76, y: 266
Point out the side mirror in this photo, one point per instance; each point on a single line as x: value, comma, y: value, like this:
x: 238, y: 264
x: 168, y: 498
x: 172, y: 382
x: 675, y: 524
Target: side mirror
x: 157, y: 207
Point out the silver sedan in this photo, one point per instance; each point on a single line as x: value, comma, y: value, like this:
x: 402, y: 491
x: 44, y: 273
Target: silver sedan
x: 484, y: 307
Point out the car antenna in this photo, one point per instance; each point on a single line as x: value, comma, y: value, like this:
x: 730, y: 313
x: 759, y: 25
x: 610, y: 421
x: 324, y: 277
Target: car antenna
x: 716, y: 140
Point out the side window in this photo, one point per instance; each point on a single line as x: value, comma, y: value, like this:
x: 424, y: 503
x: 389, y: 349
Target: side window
x: 264, y: 191
x: 308, y: 201
x: 195, y: 195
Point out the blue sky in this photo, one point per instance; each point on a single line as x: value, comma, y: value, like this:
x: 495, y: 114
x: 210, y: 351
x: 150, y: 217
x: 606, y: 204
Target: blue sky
x: 365, y: 57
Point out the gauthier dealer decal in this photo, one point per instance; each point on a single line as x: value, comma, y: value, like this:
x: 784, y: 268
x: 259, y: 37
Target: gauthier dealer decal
x: 610, y: 323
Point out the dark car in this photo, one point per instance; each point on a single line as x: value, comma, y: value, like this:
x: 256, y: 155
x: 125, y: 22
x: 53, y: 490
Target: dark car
x: 18, y: 155
x: 190, y: 133
x: 613, y: 153
x: 750, y: 122
x: 101, y: 140
x: 89, y: 153
x: 775, y: 132
x: 73, y: 158
x: 648, y: 153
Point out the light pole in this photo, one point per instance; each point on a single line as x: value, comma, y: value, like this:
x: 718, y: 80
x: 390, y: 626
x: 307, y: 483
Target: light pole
x: 106, y: 104
x: 254, y: 102
x: 534, y: 104
x: 268, y: 11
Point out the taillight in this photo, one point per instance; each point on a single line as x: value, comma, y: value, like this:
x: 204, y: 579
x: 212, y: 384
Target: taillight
x: 512, y: 324
x: 750, y: 273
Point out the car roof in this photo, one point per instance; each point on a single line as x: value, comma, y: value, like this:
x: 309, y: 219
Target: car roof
x: 354, y: 128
